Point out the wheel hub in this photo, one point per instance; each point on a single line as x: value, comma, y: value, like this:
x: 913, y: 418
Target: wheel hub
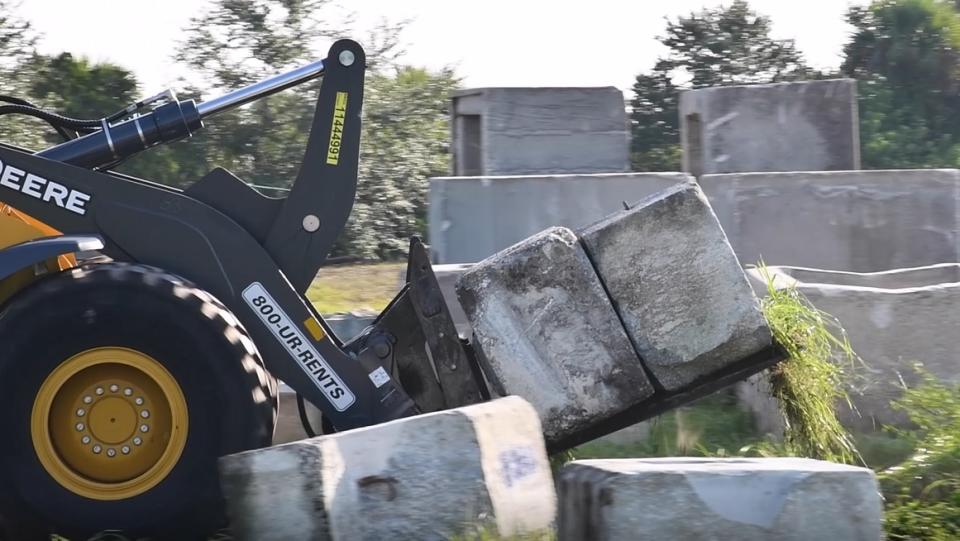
x: 109, y: 423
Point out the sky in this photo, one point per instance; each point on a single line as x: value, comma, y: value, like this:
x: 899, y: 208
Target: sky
x: 488, y: 42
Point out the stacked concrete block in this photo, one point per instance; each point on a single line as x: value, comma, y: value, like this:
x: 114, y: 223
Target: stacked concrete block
x: 549, y: 333
x: 742, y: 499
x: 433, y: 476
x: 800, y: 126
x: 526, y: 131
x: 678, y: 286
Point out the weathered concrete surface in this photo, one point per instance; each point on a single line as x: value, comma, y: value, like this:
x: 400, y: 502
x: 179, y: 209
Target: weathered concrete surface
x: 288, y: 427
x: 894, y: 319
x: 532, y: 131
x: 428, y: 477
x: 471, y: 218
x: 677, y: 286
x: 550, y: 335
x: 805, y: 126
x: 860, y: 221
x: 743, y: 499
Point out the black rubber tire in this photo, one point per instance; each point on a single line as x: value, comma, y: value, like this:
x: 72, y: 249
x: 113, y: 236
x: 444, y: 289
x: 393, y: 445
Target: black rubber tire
x: 231, y: 398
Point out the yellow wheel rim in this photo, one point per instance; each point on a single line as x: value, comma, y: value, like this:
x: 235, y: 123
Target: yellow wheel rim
x: 109, y: 423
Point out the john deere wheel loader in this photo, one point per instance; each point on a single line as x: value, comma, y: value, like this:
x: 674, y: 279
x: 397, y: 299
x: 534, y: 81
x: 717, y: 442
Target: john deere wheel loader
x: 124, y: 376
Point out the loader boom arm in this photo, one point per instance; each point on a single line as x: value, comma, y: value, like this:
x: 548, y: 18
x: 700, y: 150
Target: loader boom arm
x: 256, y: 254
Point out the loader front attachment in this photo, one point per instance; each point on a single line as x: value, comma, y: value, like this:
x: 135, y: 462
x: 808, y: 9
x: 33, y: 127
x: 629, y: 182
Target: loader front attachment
x: 416, y: 337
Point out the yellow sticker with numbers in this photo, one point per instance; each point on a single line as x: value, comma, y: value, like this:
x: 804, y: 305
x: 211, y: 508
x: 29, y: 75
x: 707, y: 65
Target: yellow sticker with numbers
x: 336, y: 132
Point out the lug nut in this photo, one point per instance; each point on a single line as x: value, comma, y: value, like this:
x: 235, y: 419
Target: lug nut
x: 87, y: 399
x: 137, y: 440
x: 96, y: 449
x: 128, y: 391
x: 111, y: 453
x: 139, y: 401
x: 85, y: 440
x: 98, y: 390
x: 114, y: 388
x: 125, y: 450
x: 144, y: 428
x: 81, y: 412
x: 145, y: 414
x: 80, y: 427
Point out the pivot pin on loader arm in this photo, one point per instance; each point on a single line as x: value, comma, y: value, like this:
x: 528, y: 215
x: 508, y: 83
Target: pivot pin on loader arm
x: 258, y: 255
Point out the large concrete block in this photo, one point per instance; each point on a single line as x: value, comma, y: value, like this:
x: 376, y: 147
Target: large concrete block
x: 430, y: 477
x: 535, y: 131
x: 677, y: 286
x: 471, y: 218
x: 859, y: 221
x: 549, y: 334
x: 740, y: 499
x: 804, y: 126
x: 894, y: 319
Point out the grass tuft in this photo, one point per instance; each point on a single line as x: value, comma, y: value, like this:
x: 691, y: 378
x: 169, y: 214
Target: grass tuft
x: 809, y: 384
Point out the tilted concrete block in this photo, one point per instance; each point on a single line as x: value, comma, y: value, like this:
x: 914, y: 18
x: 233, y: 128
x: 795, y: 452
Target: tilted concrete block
x: 549, y: 334
x: 432, y: 476
x: 677, y: 285
x: 734, y: 499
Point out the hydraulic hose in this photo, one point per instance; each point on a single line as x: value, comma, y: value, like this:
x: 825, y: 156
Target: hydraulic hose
x: 52, y: 118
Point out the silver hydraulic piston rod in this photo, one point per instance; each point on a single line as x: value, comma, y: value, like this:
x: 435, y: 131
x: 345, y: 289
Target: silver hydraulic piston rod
x: 170, y: 122
x: 260, y: 89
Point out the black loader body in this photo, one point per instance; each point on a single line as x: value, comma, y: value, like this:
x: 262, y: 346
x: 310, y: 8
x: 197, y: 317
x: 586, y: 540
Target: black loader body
x: 258, y: 255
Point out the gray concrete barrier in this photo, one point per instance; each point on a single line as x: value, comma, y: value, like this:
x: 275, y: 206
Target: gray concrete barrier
x: 471, y: 218
x: 742, y: 499
x: 798, y: 126
x: 434, y: 476
x: 860, y: 221
x: 894, y: 319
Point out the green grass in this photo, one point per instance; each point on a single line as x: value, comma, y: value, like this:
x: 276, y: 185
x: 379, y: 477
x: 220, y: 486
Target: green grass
x: 809, y: 384
x: 706, y: 426
x: 355, y: 288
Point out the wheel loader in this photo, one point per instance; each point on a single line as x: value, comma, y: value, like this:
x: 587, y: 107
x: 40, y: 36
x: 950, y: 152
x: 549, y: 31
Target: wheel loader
x: 143, y: 328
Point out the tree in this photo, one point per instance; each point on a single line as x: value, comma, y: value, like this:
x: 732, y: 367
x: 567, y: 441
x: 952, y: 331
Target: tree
x: 405, y: 141
x: 17, y: 47
x: 713, y: 47
x: 905, y: 54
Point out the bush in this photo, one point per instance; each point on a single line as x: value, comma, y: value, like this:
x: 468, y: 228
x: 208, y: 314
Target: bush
x: 923, y: 492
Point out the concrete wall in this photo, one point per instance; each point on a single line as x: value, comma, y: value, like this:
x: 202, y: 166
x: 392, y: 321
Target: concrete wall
x: 527, y: 131
x: 474, y: 217
x: 807, y: 126
x: 861, y: 221
x: 894, y: 319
